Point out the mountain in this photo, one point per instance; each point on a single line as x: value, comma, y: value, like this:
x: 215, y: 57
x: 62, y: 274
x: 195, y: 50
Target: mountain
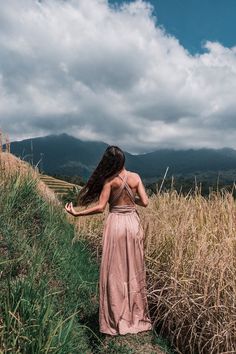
x: 183, y: 162
x: 64, y: 154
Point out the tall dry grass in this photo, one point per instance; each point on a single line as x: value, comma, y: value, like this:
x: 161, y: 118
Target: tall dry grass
x: 11, y: 165
x: 190, y: 248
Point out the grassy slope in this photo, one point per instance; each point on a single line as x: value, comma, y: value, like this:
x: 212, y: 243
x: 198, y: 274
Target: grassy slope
x: 59, y: 187
x: 48, y: 284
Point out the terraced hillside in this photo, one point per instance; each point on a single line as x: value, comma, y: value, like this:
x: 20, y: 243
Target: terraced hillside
x: 59, y: 187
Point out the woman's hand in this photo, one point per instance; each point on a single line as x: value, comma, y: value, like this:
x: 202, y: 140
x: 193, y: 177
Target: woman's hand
x: 70, y: 209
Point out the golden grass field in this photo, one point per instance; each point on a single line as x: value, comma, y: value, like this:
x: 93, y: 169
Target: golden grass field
x: 190, y: 248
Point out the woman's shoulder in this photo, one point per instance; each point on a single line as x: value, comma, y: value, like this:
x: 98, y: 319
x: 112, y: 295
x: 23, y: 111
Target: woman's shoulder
x: 134, y: 175
x: 133, y: 179
x: 130, y: 174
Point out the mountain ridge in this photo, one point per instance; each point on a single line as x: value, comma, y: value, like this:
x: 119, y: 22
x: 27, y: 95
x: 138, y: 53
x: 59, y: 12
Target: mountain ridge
x: 65, y: 154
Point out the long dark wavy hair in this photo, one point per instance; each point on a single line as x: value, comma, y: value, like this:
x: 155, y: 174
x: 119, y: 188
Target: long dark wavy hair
x: 111, y: 163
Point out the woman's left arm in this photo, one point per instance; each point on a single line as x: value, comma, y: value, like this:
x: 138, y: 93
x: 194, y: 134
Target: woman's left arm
x: 99, y: 208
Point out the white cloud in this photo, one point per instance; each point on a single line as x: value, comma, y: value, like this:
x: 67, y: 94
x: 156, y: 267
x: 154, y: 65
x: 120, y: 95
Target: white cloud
x: 112, y: 74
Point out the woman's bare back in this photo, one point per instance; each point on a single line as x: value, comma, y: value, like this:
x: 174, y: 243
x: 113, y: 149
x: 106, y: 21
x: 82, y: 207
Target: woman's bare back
x: 134, y: 182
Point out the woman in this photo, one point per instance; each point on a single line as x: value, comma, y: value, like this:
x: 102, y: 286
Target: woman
x: 122, y: 288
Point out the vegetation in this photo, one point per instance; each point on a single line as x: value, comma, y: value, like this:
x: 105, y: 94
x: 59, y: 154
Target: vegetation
x: 75, y: 179
x: 71, y: 196
x: 66, y: 155
x: 48, y: 284
x: 64, y: 190
x: 61, y: 188
x: 204, y: 183
x: 190, y: 249
x: 48, y: 279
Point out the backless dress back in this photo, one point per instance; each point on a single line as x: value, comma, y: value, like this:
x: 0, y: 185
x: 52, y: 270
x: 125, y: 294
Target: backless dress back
x: 123, y: 306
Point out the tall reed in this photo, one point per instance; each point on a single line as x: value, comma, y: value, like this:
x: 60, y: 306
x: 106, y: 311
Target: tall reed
x: 190, y: 248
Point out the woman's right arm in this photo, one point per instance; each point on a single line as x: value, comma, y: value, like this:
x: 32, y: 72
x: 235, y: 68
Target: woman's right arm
x: 142, y: 195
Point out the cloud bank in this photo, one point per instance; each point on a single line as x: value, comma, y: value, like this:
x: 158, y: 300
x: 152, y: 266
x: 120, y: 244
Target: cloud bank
x: 112, y: 74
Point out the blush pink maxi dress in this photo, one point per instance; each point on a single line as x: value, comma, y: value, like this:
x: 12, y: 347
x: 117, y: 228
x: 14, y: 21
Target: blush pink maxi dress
x: 123, y: 306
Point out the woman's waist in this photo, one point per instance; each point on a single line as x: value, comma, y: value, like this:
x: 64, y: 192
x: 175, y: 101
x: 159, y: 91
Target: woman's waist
x: 126, y: 208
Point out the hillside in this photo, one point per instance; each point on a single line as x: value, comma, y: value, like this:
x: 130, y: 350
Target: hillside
x: 66, y: 155
x: 49, y: 272
x: 40, y: 310
x: 11, y: 165
x: 49, y: 280
x: 61, y: 154
x: 59, y: 187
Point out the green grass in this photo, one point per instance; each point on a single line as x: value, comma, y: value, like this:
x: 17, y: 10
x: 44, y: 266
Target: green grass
x: 47, y: 285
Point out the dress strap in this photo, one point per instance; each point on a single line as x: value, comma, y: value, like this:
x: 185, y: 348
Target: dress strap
x: 120, y: 189
x: 129, y: 190
x: 117, y: 194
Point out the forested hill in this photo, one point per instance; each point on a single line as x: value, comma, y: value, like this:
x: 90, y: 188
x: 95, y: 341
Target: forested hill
x: 64, y: 154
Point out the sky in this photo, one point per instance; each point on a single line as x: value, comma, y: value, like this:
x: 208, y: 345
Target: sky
x: 193, y: 22
x: 140, y: 75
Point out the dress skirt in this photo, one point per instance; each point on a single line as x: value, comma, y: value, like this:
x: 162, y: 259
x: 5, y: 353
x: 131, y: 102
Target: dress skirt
x: 123, y: 306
